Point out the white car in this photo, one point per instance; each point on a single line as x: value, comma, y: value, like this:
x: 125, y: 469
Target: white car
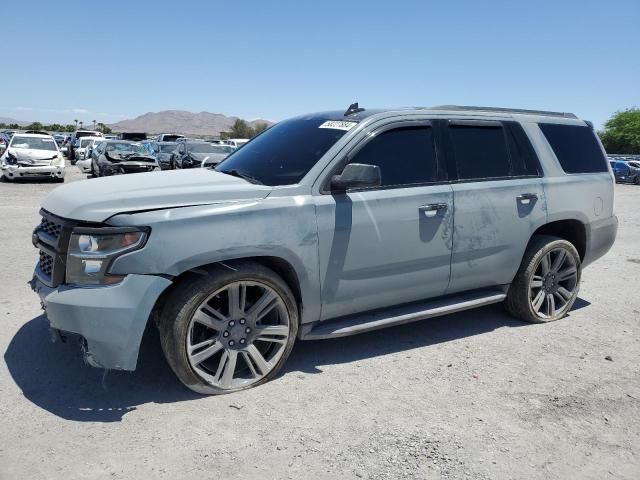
x: 32, y: 156
x: 236, y: 142
x: 83, y: 151
x: 85, y: 145
x: 84, y: 164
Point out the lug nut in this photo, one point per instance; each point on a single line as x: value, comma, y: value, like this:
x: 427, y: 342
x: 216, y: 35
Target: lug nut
x: 231, y: 343
x: 232, y: 323
x: 247, y: 330
x: 242, y: 341
x: 242, y: 321
x: 225, y: 334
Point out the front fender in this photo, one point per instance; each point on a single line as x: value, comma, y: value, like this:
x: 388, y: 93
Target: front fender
x: 183, y: 239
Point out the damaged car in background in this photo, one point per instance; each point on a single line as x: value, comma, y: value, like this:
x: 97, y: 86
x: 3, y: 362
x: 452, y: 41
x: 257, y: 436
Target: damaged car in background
x: 194, y: 154
x: 32, y: 156
x: 117, y: 157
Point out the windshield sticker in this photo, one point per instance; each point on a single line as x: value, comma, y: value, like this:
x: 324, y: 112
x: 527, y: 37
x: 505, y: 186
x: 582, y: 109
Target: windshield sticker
x: 338, y: 125
x: 48, y: 140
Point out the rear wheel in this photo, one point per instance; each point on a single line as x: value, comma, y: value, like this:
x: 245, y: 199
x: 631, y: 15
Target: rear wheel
x: 637, y: 180
x: 229, y: 330
x: 547, y: 283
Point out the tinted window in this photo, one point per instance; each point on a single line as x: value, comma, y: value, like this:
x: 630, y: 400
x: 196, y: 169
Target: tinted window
x: 480, y: 152
x: 524, y: 160
x: 284, y: 153
x: 405, y: 156
x: 576, y: 147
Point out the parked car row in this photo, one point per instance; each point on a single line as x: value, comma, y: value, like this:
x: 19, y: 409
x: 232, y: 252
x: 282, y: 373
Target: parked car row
x: 625, y: 169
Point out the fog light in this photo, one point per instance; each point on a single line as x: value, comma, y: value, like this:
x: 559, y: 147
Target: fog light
x: 91, y: 267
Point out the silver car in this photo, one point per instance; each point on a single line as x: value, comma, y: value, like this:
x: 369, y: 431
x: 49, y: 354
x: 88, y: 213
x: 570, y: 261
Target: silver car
x: 327, y: 225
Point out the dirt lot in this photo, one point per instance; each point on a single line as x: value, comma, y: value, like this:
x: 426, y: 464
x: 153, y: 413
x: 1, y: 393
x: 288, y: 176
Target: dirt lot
x: 472, y: 395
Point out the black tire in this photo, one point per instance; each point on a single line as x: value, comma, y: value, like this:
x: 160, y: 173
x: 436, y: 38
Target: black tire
x: 636, y: 180
x: 187, y: 296
x: 518, y: 302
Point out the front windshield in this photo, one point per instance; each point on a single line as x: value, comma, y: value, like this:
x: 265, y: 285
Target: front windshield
x: 85, y: 142
x: 201, y: 148
x: 34, y: 143
x: 123, y: 148
x: 283, y: 154
x: 168, y: 148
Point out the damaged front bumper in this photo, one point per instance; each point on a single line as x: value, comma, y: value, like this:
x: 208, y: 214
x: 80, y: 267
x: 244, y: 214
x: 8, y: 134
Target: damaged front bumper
x: 127, y: 167
x: 111, y: 319
x: 37, y: 171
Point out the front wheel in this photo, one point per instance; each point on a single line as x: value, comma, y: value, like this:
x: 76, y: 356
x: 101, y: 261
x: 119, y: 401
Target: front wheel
x: 637, y: 180
x: 229, y: 330
x: 547, y: 283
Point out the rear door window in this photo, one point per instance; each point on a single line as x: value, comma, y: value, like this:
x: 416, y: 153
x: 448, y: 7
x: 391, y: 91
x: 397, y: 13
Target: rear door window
x: 480, y: 151
x: 576, y: 147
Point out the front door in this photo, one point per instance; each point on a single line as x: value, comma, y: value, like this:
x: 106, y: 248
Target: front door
x: 392, y: 244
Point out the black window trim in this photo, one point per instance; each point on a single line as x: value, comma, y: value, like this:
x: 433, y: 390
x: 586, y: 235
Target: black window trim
x: 325, y: 188
x: 505, y: 126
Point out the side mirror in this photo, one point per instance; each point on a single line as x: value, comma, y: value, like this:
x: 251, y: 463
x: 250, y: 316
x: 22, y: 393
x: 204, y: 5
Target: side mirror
x: 357, y: 175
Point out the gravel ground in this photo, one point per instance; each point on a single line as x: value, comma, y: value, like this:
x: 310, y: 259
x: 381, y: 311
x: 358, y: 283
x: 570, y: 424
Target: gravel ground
x: 470, y: 395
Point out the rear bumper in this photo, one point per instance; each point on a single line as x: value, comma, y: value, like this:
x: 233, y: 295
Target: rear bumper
x: 19, y: 171
x: 111, y: 319
x: 601, y: 235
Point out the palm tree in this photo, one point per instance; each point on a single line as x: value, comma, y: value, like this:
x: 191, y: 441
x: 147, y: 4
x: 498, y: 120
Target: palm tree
x: 80, y: 123
x: 94, y: 124
x: 76, y: 123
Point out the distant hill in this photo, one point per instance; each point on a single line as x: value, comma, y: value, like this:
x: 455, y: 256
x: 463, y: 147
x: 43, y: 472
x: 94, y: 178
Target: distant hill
x: 180, y: 121
x: 9, y: 121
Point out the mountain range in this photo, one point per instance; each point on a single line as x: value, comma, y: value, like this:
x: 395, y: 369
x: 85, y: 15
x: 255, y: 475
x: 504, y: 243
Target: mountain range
x: 180, y: 121
x: 9, y: 121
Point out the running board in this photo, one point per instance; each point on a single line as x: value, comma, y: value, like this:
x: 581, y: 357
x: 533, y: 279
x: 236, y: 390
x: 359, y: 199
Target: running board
x: 398, y: 315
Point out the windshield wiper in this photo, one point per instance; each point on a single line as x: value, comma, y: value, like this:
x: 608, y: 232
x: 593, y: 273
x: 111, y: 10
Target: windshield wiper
x: 244, y: 176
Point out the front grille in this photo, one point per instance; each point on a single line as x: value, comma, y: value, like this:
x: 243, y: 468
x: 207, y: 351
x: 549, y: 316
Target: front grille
x: 50, y: 228
x: 51, y: 237
x: 46, y: 263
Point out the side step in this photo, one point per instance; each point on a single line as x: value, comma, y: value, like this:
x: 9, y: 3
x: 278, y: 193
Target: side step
x: 398, y: 315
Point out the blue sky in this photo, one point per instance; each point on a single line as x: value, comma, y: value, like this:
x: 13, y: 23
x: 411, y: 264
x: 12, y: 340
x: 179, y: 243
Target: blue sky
x: 113, y: 60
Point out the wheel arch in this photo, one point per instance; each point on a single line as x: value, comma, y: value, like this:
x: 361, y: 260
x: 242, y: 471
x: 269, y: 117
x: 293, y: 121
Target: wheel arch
x: 280, y: 266
x: 571, y: 230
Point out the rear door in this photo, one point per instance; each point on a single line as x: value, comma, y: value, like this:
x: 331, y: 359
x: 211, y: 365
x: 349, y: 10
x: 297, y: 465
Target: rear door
x: 498, y: 201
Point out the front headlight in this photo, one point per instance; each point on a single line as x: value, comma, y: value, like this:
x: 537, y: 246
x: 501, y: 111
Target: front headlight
x: 92, y: 250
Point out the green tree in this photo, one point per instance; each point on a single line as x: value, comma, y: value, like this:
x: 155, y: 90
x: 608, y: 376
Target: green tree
x: 621, y: 132
x: 259, y: 128
x: 241, y: 129
x: 35, y: 126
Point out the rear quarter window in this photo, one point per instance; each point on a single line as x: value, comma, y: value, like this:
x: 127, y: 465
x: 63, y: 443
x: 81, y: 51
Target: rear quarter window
x: 576, y: 148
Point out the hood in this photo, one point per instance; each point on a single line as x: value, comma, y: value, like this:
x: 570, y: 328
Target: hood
x: 98, y: 199
x: 28, y: 155
x: 129, y: 156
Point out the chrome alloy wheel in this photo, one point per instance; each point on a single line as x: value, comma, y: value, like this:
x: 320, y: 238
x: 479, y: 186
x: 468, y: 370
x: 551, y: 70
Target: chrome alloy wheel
x: 237, y: 335
x: 554, y: 283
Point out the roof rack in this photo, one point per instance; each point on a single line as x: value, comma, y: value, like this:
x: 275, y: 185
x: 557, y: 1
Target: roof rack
x: 505, y: 110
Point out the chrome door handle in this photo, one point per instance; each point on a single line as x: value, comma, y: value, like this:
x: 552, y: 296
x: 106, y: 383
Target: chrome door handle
x: 526, y: 198
x: 432, y: 209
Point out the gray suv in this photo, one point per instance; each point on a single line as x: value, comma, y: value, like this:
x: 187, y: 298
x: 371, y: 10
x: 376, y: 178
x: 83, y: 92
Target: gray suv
x: 326, y: 225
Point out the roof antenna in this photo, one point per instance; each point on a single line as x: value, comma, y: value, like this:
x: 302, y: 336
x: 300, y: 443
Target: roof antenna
x: 353, y: 108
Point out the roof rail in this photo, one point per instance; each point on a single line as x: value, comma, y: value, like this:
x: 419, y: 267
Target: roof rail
x: 505, y: 110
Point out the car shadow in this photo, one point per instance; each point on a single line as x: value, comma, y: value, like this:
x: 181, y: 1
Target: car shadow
x: 54, y: 377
